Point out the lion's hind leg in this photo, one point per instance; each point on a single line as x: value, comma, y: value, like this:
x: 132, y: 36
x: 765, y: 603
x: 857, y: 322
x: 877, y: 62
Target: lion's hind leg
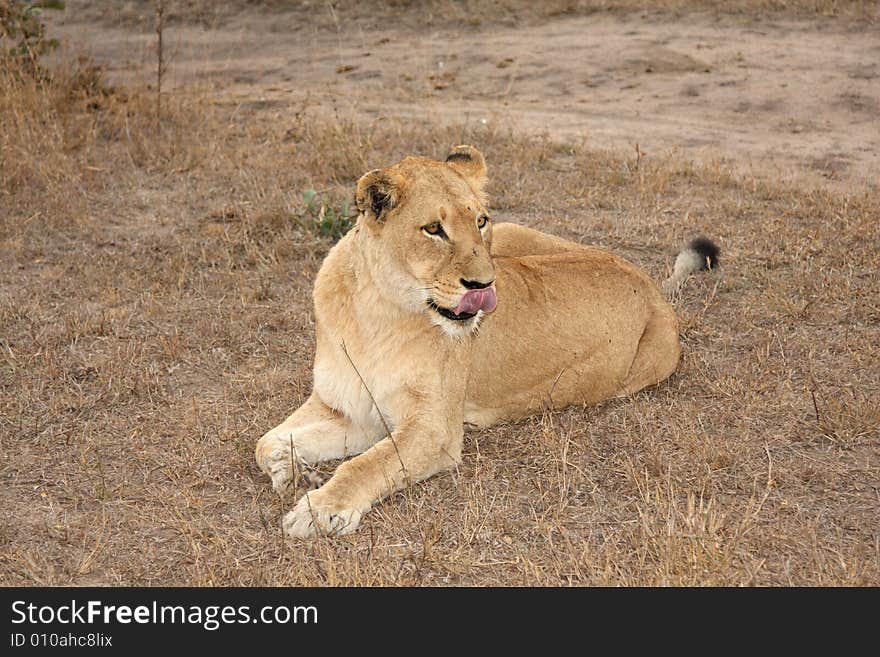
x: 658, y: 352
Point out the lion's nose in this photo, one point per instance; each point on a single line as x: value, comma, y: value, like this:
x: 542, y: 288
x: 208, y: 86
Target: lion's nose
x: 475, y: 285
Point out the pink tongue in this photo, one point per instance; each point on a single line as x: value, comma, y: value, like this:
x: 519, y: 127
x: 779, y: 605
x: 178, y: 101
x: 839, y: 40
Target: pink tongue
x: 474, y: 300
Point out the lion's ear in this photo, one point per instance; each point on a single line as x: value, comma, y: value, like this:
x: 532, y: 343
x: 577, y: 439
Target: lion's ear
x: 471, y: 164
x: 378, y: 191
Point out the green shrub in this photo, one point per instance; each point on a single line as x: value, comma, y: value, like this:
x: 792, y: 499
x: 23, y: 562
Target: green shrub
x: 23, y: 33
x: 325, y: 218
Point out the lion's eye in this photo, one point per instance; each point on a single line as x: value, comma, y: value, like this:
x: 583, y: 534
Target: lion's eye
x: 435, y: 228
x: 482, y: 221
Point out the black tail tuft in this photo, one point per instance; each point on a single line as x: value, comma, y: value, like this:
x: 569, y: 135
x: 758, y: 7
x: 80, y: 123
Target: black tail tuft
x: 708, y: 252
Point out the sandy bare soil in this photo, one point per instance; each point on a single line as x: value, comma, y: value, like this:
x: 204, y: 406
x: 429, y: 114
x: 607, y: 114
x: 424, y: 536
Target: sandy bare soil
x: 776, y: 96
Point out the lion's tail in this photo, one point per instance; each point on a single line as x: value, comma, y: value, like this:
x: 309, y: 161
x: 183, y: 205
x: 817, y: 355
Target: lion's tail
x: 701, y: 254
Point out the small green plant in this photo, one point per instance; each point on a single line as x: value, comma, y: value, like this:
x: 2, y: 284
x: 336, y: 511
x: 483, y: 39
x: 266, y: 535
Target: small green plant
x: 325, y: 218
x: 22, y: 32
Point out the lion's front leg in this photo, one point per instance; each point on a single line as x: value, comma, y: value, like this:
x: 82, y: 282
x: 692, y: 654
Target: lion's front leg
x: 414, y: 451
x: 314, y: 433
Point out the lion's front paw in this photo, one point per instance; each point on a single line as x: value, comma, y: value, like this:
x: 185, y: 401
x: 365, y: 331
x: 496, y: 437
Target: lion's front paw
x: 312, y: 516
x: 276, y: 457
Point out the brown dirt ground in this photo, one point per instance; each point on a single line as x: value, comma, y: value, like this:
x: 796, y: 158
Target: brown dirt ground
x: 769, y: 93
x: 155, y: 307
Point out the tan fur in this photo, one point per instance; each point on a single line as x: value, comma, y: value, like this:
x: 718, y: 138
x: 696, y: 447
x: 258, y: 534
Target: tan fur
x: 574, y: 325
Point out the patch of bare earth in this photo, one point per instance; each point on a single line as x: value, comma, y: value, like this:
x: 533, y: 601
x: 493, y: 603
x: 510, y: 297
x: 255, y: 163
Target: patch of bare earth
x: 789, y: 90
x: 155, y: 319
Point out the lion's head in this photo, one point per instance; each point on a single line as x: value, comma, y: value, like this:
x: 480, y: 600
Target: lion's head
x: 426, y: 237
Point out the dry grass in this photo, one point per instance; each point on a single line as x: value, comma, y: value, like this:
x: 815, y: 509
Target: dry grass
x: 155, y: 319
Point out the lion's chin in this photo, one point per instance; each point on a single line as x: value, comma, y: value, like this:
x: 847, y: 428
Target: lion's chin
x: 451, y: 314
x: 458, y: 326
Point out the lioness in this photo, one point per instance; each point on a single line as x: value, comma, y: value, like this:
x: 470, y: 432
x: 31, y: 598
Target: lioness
x: 428, y: 316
